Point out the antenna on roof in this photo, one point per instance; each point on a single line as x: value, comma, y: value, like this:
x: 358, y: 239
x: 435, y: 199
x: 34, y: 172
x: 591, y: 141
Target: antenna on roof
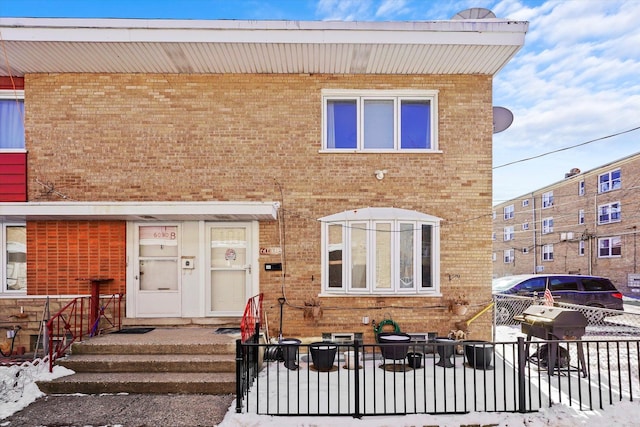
x: 502, y: 119
x: 475, y: 13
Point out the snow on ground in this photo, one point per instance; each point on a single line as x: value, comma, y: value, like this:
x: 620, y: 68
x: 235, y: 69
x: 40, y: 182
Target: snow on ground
x: 17, y: 392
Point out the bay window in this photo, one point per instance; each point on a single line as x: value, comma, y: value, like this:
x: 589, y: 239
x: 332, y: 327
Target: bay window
x: 380, y: 251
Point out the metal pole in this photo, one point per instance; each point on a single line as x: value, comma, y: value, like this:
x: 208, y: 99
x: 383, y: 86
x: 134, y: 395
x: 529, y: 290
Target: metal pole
x: 281, y: 301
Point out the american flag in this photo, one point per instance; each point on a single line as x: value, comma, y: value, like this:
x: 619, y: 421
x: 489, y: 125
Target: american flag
x: 548, y: 298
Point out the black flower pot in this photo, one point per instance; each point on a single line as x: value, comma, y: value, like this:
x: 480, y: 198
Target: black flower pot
x: 323, y: 354
x: 290, y: 352
x: 479, y: 354
x: 414, y: 360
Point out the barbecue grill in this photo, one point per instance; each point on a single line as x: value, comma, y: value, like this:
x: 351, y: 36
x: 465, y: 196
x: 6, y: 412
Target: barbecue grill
x: 552, y: 324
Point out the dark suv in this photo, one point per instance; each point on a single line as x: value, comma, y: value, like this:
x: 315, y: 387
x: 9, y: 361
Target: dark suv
x: 591, y: 291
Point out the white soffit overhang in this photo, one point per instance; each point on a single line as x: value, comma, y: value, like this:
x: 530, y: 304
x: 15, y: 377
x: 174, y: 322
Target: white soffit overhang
x: 380, y: 214
x: 45, y: 45
x: 139, y: 211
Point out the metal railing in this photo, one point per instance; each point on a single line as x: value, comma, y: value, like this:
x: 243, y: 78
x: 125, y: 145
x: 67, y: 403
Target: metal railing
x: 73, y: 322
x: 587, y: 375
x: 252, y: 318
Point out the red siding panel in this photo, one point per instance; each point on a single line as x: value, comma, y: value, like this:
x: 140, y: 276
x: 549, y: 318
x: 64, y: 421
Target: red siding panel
x: 13, y: 177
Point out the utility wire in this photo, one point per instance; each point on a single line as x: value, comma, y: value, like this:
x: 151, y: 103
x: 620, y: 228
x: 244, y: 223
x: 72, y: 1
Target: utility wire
x: 567, y: 148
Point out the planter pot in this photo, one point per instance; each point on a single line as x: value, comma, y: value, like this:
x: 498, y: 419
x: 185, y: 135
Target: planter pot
x: 479, y: 354
x: 399, y: 350
x: 446, y: 348
x: 350, y: 361
x: 323, y: 354
x: 290, y: 352
x: 414, y: 360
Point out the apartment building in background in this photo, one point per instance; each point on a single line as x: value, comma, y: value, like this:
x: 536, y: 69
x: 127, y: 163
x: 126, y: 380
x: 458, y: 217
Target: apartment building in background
x: 585, y: 224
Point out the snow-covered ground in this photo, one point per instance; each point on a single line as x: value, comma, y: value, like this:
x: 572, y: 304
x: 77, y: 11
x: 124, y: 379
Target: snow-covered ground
x: 20, y: 391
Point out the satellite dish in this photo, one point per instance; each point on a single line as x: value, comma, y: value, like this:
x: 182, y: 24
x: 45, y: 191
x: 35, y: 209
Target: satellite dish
x: 502, y: 119
x: 475, y: 13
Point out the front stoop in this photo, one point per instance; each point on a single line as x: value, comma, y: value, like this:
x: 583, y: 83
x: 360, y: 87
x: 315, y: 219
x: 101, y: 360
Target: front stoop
x: 163, y: 361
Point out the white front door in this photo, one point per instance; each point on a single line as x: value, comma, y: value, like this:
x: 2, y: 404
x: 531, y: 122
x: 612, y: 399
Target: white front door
x: 229, y: 255
x: 157, y: 270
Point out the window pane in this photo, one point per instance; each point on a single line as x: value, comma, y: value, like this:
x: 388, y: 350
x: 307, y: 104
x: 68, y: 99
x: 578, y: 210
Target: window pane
x: 16, y: 256
x: 359, y: 255
x: 11, y: 123
x: 378, y: 124
x: 341, y: 124
x: 228, y: 247
x: 335, y: 256
x: 158, y: 241
x: 427, y: 282
x: 414, y: 126
x: 406, y: 256
x: 383, y: 256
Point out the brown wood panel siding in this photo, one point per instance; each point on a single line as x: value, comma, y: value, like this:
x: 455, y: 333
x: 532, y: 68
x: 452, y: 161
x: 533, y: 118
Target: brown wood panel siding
x: 13, y: 177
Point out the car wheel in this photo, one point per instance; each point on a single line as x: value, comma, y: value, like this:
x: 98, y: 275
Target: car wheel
x: 504, y: 316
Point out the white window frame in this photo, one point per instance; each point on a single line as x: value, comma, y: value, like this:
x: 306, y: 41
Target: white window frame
x: 547, y: 252
x: 509, y: 234
x: 609, y: 213
x: 525, y: 250
x: 581, y: 248
x: 607, y: 182
x: 13, y: 95
x: 525, y: 225
x: 547, y: 225
x: 493, y: 236
x: 494, y: 257
x: 581, y: 188
x: 547, y: 200
x: 609, y: 244
x: 360, y: 96
x: 509, y: 212
x: 396, y: 218
x: 4, y: 290
x: 509, y: 256
x: 525, y: 203
x: 581, y: 216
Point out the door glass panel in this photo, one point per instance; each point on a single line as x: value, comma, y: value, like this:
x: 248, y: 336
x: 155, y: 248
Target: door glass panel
x: 227, y: 290
x: 228, y: 247
x: 383, y: 256
x: 158, y: 275
x: 158, y: 258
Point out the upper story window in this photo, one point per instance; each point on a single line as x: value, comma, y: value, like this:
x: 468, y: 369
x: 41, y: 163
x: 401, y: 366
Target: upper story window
x: 508, y: 212
x: 609, y: 247
x: 525, y: 203
x: 13, y: 240
x: 547, y: 200
x: 509, y: 256
x: 581, y: 189
x: 547, y: 225
x: 608, y: 213
x: 581, y: 248
x: 609, y: 181
x: 11, y: 120
x: 581, y: 216
x: 380, y: 121
x: 383, y: 251
x: 508, y: 234
x: 525, y: 225
x: 547, y: 253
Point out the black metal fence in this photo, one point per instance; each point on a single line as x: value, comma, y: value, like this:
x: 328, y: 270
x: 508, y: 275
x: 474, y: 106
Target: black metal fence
x: 324, y: 379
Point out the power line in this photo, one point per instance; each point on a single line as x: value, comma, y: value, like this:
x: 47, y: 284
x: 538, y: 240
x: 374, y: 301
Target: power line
x: 567, y: 148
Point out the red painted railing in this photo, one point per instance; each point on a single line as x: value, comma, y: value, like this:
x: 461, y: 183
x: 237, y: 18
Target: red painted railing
x: 72, y: 322
x: 252, y: 317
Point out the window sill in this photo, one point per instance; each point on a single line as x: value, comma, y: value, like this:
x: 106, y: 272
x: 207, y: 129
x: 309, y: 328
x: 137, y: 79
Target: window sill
x: 380, y: 295
x: 355, y: 151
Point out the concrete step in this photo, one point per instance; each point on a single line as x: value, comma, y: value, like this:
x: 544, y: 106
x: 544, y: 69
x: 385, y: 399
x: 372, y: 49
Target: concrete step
x: 95, y: 346
x: 142, y: 383
x: 149, y: 362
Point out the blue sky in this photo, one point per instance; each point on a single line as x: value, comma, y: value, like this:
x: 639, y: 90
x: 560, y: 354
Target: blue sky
x: 577, y: 79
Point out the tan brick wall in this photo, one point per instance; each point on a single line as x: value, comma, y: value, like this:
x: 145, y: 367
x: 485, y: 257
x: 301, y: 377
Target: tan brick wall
x: 565, y: 214
x: 237, y: 137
